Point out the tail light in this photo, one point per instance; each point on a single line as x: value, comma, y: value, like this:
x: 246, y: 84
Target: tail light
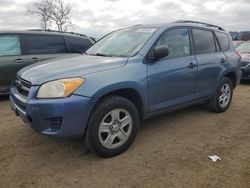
x: 237, y: 54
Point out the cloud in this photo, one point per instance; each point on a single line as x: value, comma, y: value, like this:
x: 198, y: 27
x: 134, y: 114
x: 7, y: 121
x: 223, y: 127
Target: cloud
x: 97, y: 17
x: 112, y: 0
x: 14, y: 16
x: 147, y: 1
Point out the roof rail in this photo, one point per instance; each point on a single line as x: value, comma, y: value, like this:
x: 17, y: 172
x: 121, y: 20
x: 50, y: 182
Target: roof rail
x: 136, y: 25
x: 55, y: 31
x: 202, y: 23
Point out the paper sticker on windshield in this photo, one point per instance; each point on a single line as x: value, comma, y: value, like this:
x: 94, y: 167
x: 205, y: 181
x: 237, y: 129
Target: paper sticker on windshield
x: 146, y: 30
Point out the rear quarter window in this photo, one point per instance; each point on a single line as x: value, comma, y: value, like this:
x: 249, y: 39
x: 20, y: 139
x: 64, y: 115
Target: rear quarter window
x: 203, y: 41
x: 78, y: 44
x: 223, y: 40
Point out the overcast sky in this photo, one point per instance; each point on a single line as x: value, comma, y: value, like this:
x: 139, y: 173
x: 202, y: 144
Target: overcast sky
x: 97, y: 17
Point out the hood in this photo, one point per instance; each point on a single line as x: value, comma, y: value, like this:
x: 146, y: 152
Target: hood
x: 245, y: 57
x: 77, y: 66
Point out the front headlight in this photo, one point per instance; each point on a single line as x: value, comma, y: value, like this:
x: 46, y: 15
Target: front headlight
x: 59, y: 88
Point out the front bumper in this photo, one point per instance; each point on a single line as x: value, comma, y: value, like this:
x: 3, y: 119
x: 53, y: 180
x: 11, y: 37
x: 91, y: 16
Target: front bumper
x: 38, y: 113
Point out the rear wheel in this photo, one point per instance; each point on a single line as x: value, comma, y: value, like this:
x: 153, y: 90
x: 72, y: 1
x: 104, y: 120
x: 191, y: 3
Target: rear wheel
x: 223, y: 96
x: 112, y: 127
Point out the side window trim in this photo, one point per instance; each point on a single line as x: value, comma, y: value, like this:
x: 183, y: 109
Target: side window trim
x: 191, y: 39
x: 217, y: 43
x: 169, y: 29
x: 24, y: 44
x: 191, y: 42
x: 67, y: 45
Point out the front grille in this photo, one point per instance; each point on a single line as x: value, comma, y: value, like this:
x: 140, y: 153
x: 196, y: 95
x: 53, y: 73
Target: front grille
x: 22, y: 86
x: 244, y: 63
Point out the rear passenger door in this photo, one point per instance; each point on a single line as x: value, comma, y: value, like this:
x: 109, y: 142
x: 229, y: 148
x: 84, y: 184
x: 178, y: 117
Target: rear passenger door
x: 44, y: 47
x: 172, y: 80
x: 211, y: 61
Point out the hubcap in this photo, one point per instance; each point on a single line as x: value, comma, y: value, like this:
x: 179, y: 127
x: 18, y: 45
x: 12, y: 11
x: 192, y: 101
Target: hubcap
x: 225, y: 95
x: 115, y: 128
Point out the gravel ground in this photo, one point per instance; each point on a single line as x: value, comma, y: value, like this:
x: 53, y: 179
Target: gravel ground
x: 170, y: 151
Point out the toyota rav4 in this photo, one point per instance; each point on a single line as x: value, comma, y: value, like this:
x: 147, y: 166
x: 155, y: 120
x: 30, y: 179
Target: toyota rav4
x: 128, y: 76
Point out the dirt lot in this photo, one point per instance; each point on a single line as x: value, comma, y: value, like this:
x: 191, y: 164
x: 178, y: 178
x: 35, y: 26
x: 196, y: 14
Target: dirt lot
x: 170, y: 151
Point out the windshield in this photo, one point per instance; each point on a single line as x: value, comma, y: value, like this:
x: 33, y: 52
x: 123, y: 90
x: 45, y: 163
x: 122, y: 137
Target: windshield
x: 122, y: 43
x: 244, y: 48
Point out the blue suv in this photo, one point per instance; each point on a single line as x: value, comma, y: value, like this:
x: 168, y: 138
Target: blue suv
x: 128, y: 76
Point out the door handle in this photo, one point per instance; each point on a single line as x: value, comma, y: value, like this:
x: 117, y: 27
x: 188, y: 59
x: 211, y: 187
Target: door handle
x: 19, y: 61
x: 191, y: 65
x: 34, y: 60
x: 223, y: 60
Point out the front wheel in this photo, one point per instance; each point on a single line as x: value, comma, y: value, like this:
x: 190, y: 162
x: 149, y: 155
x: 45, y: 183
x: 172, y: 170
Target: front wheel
x: 112, y: 127
x: 223, y: 96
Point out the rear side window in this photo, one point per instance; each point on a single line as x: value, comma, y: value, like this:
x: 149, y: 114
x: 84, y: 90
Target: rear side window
x: 45, y: 44
x: 77, y: 44
x: 223, y: 40
x: 9, y: 45
x: 177, y: 41
x: 203, y: 41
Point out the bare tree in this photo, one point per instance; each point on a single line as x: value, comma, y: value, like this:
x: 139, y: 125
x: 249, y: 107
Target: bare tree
x: 53, y: 11
x: 61, y: 15
x: 43, y: 10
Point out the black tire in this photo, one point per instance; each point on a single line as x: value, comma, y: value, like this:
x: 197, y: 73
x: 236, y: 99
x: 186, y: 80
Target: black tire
x: 214, y: 103
x: 101, y: 110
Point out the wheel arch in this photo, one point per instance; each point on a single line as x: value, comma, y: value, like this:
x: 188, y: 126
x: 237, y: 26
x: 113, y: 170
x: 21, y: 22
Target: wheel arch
x: 232, y: 76
x: 131, y: 92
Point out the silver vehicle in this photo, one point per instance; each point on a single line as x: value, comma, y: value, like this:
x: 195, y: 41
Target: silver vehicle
x: 244, y: 50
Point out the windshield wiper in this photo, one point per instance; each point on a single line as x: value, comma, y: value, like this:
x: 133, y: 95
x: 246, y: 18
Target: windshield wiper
x: 100, y: 54
x: 106, y: 55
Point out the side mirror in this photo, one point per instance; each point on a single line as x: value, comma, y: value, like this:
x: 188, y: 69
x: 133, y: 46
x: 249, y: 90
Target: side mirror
x: 158, y: 52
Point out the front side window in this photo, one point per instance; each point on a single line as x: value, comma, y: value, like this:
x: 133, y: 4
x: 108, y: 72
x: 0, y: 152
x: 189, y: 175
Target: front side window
x: 223, y: 40
x: 45, y: 44
x: 177, y: 41
x: 122, y: 43
x: 203, y: 41
x: 9, y: 45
